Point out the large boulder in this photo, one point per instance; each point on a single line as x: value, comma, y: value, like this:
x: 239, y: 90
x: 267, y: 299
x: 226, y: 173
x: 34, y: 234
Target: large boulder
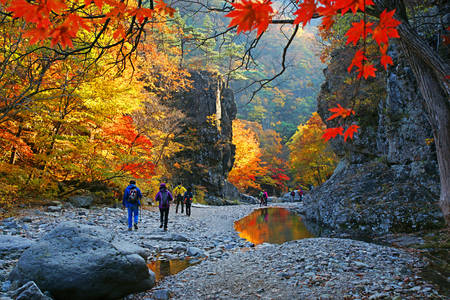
x: 82, y: 201
x: 12, y: 246
x: 77, y: 261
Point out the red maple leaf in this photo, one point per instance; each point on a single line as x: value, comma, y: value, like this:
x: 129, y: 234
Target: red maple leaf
x: 386, y: 60
x: 366, y: 71
x: 339, y: 111
x: 358, y: 30
x: 386, y: 28
x: 328, y: 11
x: 354, y: 5
x: 248, y: 15
x: 357, y: 60
x: 332, y: 133
x: 305, y: 12
x: 350, y: 131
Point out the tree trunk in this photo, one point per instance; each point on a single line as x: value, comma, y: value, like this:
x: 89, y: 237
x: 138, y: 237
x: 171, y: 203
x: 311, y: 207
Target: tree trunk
x: 430, y: 71
x: 438, y: 113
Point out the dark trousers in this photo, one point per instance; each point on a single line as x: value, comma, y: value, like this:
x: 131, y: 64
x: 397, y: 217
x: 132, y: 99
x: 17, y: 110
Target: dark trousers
x: 188, y: 209
x: 164, y: 216
x: 178, y: 203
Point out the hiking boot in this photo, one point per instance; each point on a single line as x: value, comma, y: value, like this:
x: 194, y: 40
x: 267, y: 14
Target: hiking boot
x: 135, y: 226
x: 165, y: 228
x: 129, y: 229
x: 160, y: 226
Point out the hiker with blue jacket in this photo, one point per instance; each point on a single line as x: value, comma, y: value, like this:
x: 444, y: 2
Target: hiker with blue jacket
x: 131, y: 200
x: 164, y: 197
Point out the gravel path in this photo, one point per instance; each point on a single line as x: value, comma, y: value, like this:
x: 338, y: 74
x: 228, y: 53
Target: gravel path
x: 232, y: 268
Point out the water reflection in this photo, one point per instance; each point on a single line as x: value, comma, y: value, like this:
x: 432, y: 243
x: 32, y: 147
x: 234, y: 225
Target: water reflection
x: 274, y: 225
x: 163, y: 268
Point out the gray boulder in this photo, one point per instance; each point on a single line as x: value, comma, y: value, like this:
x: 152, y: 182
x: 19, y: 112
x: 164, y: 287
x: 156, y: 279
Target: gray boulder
x: 83, y: 201
x: 12, y: 246
x: 76, y: 261
x: 249, y: 199
x: 194, y: 251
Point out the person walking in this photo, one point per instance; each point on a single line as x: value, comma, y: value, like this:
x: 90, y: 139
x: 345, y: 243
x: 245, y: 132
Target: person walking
x: 188, y: 200
x: 163, y: 197
x: 132, y: 201
x: 178, y: 193
x: 300, y: 193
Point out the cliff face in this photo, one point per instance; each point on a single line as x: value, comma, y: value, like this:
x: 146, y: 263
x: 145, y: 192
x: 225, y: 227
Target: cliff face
x: 208, y: 154
x: 387, y: 180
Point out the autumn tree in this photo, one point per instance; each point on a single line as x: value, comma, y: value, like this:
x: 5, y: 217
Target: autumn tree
x: 310, y: 158
x: 273, y: 159
x: 247, y: 165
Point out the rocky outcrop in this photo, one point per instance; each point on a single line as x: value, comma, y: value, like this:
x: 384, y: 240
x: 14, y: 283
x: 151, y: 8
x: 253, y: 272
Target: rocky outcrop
x: 208, y: 154
x: 387, y: 180
x: 77, y: 261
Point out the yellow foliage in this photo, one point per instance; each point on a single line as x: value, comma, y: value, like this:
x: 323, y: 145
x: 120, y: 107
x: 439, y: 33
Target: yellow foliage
x: 311, y: 159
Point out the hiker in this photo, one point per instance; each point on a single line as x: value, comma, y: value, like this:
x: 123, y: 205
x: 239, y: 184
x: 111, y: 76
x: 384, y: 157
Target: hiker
x: 188, y: 200
x: 178, y: 193
x: 164, y: 197
x: 293, y: 195
x: 300, y: 193
x: 261, y: 198
x: 131, y: 200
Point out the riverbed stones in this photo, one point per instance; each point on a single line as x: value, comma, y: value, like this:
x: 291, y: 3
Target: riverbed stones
x: 266, y: 269
x: 76, y: 261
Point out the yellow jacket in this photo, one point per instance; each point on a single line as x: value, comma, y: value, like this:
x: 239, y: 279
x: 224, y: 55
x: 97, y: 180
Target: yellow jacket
x: 179, y: 190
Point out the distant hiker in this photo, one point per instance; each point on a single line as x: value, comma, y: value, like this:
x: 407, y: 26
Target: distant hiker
x: 131, y: 200
x: 300, y: 193
x: 164, y: 197
x: 178, y: 193
x: 263, y: 198
x: 293, y: 195
x: 188, y: 200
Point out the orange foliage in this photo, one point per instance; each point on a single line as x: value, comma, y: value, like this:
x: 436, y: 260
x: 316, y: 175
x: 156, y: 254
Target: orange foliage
x: 247, y: 164
x: 60, y: 21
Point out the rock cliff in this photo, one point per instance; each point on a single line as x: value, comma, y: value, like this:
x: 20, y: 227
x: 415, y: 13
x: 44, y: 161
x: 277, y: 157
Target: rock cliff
x: 208, y: 154
x: 387, y: 180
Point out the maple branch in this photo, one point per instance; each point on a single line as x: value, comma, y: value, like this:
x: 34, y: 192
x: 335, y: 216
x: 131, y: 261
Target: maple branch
x: 264, y: 82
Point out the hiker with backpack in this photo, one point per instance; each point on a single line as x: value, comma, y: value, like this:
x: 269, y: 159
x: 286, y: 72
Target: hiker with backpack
x: 293, y: 195
x: 188, y: 196
x: 300, y: 193
x: 131, y: 200
x: 178, y: 193
x: 263, y: 198
x: 164, y: 197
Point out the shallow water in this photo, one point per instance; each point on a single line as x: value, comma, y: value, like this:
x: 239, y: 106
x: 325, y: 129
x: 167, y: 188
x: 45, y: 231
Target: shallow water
x: 273, y: 225
x: 163, y: 268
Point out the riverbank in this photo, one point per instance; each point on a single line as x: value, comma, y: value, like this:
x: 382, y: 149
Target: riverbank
x: 231, y: 267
